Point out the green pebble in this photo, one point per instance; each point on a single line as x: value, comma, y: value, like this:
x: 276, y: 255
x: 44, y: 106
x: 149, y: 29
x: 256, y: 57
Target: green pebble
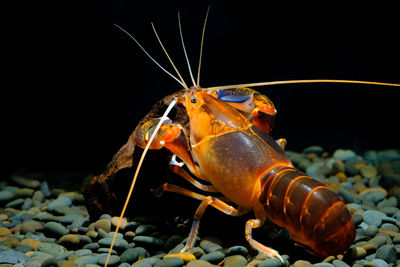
x: 237, y: 250
x: 235, y: 261
x: 148, y: 241
x: 213, y: 257
x: 114, y: 260
x: 199, y: 263
x: 170, y: 262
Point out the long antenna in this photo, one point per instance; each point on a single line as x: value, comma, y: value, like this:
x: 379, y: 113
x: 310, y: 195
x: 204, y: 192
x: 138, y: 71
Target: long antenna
x: 141, y: 47
x: 201, y: 48
x: 170, y: 60
x: 164, y: 116
x: 299, y: 81
x: 184, y: 50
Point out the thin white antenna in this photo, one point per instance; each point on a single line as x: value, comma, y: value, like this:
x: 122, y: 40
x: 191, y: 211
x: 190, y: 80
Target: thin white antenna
x: 164, y: 116
x: 141, y: 47
x: 170, y: 60
x: 297, y: 82
x: 184, y: 50
x: 201, y: 48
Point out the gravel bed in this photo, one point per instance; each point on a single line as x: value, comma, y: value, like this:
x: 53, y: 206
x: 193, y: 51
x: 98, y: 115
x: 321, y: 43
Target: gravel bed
x: 42, y: 226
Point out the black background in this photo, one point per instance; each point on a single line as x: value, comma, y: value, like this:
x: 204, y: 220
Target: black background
x: 85, y: 85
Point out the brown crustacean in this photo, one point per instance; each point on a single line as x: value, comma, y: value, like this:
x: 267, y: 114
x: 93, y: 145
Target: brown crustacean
x: 222, y: 135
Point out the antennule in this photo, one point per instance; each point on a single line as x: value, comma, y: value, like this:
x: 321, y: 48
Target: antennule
x: 141, y: 47
x: 184, y: 50
x: 201, y: 48
x: 169, y: 58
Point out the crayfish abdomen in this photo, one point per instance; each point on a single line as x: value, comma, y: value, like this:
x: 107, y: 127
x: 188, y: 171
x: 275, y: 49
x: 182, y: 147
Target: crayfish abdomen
x: 315, y: 216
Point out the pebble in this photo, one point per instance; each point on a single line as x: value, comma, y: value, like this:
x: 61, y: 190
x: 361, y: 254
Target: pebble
x: 271, y: 262
x: 339, y: 263
x: 62, y: 201
x: 16, y: 203
x: 373, y: 217
x: 120, y: 244
x: 6, y: 196
x: 25, y: 181
x: 115, y: 220
x: 148, y: 241
x: 23, y: 192
x: 170, y: 262
x: 104, y: 224
x: 54, y: 229
x: 145, y: 229
x: 44, y: 188
x: 213, y: 257
x: 237, y: 250
x: 114, y: 260
x: 185, y: 256
x: 210, y: 246
x: 69, y: 241
x: 11, y: 256
x: 4, y: 231
x: 51, y: 248
x: 38, y: 196
x: 387, y: 253
x: 344, y: 154
x: 199, y: 263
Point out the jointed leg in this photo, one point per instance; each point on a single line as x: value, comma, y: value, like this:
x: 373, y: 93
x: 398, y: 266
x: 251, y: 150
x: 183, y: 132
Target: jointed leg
x: 255, y: 223
x: 206, y: 200
x: 177, y: 168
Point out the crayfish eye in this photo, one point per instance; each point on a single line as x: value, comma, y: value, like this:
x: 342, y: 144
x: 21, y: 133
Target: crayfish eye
x: 193, y: 100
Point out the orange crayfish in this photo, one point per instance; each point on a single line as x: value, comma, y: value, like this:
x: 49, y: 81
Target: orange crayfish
x: 227, y: 142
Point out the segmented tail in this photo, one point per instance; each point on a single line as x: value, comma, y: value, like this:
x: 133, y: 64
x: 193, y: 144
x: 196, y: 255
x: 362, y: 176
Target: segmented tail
x: 314, y: 215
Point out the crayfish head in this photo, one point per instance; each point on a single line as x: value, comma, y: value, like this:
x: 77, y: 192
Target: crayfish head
x: 209, y: 116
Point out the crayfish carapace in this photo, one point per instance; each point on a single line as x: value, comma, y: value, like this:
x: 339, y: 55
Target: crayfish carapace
x: 227, y: 143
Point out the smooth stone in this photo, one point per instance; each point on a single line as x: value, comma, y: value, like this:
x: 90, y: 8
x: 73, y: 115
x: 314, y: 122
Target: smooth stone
x: 387, y: 253
x: 23, y: 192
x: 22, y: 248
x: 11, y: 256
x: 199, y: 263
x: 389, y: 226
x: 213, y: 257
x: 177, y: 248
x: 115, y: 221
x: 38, y: 196
x: 237, y: 250
x: 124, y: 264
x: 83, y: 252
x: 173, y: 241
x: 80, y: 222
x: 130, y: 255
x: 271, y: 262
x: 62, y: 201
x: 44, y: 188
x: 30, y: 226
x: 344, y: 154
x: 357, y: 218
x: 114, y: 260
x: 235, y: 261
x: 120, y: 244
x: 91, y: 246
x: 4, y: 231
x: 85, y: 260
x: 373, y: 217
x: 44, y: 217
x: 145, y: 229
x: 346, y: 195
x: 54, y: 229
x: 104, y: 224
x: 106, y: 250
x: 28, y: 203
x: 68, y: 263
x: 209, y: 246
x: 368, y: 171
x: 324, y: 264
x: 196, y: 251
x: 51, y: 248
x: 301, y: 263
x: 77, y: 198
x: 30, y: 242
x: 170, y: 262
x: 379, y: 263
x: 388, y: 155
x: 148, y: 241
x: 185, y: 256
x: 49, y: 262
x: 69, y: 241
x: 105, y: 216
x: 374, y: 194
x: 313, y: 149
x: 10, y: 242
x: 371, y: 230
x: 25, y: 181
x: 378, y: 241
x: 111, y: 234
x: 16, y: 203
x: 69, y: 218
x: 146, y: 262
x: 339, y: 263
x: 389, y: 211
